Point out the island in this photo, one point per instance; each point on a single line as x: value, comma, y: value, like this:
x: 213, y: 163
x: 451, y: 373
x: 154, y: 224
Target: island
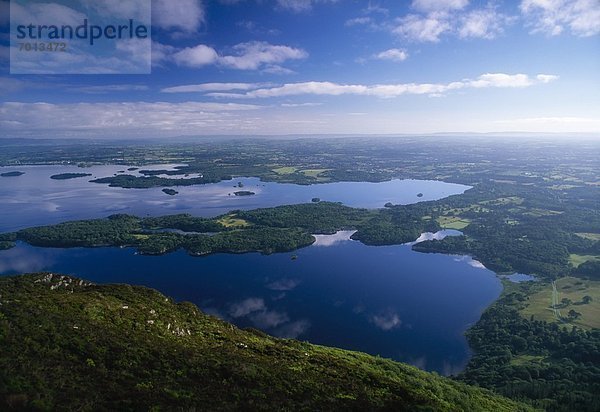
x: 170, y: 192
x: 66, y: 176
x: 315, y: 200
x: 132, y: 348
x: 419, y: 194
x: 12, y: 174
x: 244, y: 193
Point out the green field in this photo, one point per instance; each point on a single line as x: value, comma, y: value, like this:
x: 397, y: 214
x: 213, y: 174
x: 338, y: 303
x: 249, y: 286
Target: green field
x: 577, y: 260
x: 574, y: 289
x: 313, y: 172
x: 287, y: 170
x: 590, y: 236
x: 233, y: 221
x: 453, y: 222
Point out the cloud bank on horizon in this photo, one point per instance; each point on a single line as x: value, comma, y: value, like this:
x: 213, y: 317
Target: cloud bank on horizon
x: 327, y: 66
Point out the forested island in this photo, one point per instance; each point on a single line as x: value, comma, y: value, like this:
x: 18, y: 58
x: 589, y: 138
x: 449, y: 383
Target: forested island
x: 244, y: 193
x: 11, y: 174
x: 118, y: 347
x: 170, y: 192
x: 66, y: 176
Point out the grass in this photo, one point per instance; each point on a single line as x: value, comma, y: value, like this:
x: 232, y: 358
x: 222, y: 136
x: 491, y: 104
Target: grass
x: 577, y: 260
x: 521, y: 360
x: 231, y: 221
x: 287, y: 170
x: 590, y: 236
x: 571, y: 288
x: 453, y: 222
x: 313, y: 172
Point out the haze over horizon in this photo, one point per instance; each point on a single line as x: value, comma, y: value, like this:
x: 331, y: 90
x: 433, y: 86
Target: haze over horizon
x: 244, y: 67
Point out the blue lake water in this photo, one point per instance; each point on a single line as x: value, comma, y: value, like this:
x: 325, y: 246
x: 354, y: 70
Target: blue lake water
x: 385, y: 300
x: 35, y: 199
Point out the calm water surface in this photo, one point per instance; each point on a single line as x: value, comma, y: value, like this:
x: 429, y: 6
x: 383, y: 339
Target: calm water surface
x: 35, y: 199
x: 385, y: 300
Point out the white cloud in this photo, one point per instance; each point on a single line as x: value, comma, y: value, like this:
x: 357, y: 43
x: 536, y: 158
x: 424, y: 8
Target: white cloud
x: 396, y: 55
x: 307, y: 104
x: 358, y: 21
x: 487, y: 80
x: 247, y: 56
x: 252, y: 55
x: 582, y: 17
x: 133, y: 118
x: 483, y: 23
x: 184, y: 15
x: 211, y: 87
x: 112, y: 88
x: 299, y: 6
x: 546, y: 78
x: 505, y: 80
x: 439, y: 5
x: 198, y: 56
x: 247, y: 306
x: 422, y: 28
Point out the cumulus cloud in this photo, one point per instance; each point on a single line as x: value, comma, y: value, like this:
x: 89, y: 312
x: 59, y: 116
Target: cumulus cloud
x: 246, y: 56
x: 247, y: 306
x: 386, y: 321
x: 197, y: 56
x: 487, y: 80
x: 252, y: 55
x: 582, y: 17
x: 396, y: 55
x: 183, y: 15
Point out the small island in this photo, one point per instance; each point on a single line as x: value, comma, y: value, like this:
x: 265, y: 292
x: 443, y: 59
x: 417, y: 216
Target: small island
x: 66, y: 176
x: 419, y: 194
x: 12, y: 174
x: 131, y: 169
x: 244, y: 193
x: 315, y: 200
x: 170, y: 192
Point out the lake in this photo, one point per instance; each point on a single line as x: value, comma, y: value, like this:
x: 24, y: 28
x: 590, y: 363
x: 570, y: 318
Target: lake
x: 384, y: 300
x: 34, y: 199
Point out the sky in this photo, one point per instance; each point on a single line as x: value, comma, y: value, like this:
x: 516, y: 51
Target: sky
x: 278, y: 67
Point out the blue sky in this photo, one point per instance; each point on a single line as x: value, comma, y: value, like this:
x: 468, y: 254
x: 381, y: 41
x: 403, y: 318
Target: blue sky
x: 323, y: 66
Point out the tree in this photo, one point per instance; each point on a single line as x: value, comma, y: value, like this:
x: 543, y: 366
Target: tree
x: 586, y: 299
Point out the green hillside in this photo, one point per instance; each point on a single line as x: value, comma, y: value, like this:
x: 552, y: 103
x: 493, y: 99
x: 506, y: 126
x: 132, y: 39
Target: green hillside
x: 66, y: 344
